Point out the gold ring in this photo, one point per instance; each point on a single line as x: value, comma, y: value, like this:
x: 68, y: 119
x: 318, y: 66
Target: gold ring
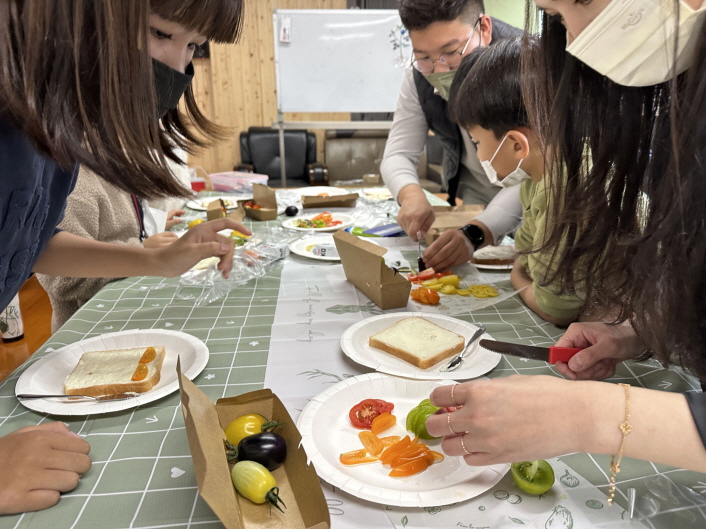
x: 448, y: 421
x: 464, y: 447
x: 452, y: 395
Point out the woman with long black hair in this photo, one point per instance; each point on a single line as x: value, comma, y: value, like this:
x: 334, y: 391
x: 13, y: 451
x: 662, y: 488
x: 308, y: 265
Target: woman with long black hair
x: 95, y: 83
x: 621, y: 100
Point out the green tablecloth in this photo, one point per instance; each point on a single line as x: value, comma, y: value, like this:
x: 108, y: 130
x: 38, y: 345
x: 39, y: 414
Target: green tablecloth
x: 142, y: 474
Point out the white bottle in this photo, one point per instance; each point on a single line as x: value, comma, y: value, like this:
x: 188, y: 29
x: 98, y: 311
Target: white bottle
x: 11, y: 325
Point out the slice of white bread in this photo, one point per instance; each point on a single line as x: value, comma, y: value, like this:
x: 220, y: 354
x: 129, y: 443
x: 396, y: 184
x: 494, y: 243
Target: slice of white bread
x: 110, y: 372
x: 418, y: 341
x: 495, y: 255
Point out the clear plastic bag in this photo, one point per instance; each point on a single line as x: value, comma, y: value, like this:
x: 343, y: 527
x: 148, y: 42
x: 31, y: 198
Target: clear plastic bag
x: 250, y: 261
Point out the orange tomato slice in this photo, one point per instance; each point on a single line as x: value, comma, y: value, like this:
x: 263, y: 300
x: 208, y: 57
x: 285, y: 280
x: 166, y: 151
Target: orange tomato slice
x: 356, y: 457
x: 393, y: 451
x: 149, y: 355
x: 140, y: 373
x: 410, y: 468
x: 390, y: 440
x: 383, y: 422
x: 434, y: 457
x: 371, y: 442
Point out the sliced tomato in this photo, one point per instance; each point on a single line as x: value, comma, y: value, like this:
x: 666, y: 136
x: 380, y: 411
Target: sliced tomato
x: 434, y: 457
x: 410, y: 468
x: 371, y: 442
x: 433, y: 297
x: 426, y: 274
x: 395, y: 450
x: 443, y: 274
x: 390, y: 440
x: 356, y: 457
x: 383, y: 422
x: 363, y: 413
x: 413, y: 277
x: 402, y: 459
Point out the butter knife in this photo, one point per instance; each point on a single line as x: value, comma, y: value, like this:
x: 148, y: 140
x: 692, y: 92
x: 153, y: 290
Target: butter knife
x: 458, y: 359
x: 79, y: 398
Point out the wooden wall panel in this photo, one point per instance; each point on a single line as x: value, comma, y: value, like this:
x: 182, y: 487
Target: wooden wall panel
x: 236, y: 87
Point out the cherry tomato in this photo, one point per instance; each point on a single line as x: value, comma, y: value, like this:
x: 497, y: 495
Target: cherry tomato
x: 410, y: 468
x: 256, y: 483
x: 383, y: 422
x: 426, y: 274
x: 363, y: 413
x: 356, y: 457
x: 247, y: 425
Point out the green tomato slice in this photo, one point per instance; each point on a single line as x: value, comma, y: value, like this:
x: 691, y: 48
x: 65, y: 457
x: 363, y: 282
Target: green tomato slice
x: 533, y: 477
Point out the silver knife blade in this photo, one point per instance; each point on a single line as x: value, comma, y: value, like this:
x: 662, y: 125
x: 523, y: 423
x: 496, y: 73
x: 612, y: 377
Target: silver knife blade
x: 79, y: 398
x: 516, y: 349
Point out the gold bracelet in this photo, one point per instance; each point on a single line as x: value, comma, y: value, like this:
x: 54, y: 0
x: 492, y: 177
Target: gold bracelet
x: 625, y: 428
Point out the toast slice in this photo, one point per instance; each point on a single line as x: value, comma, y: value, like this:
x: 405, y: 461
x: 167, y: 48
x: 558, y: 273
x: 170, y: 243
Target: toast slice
x: 418, y: 342
x: 110, y: 372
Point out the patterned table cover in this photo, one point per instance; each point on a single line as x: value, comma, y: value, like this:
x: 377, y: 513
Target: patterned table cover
x: 142, y: 474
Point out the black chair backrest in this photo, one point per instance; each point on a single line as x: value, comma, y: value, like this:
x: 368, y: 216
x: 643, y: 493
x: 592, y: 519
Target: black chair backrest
x: 259, y: 146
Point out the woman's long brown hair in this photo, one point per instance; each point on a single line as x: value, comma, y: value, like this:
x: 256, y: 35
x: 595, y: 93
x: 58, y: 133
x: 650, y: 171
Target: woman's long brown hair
x: 76, y: 77
x: 628, y: 180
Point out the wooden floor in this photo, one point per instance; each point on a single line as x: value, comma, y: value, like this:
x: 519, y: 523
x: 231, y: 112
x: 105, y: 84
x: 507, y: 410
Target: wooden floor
x: 36, y: 315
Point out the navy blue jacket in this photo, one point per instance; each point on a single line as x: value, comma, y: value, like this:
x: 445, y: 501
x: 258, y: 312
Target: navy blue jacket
x: 33, y: 192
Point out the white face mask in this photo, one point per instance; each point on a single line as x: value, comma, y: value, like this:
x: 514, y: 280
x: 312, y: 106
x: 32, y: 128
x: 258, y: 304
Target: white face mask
x: 632, y: 41
x: 514, y: 178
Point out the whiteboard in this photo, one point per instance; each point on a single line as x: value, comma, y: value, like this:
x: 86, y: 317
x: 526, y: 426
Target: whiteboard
x: 339, y: 60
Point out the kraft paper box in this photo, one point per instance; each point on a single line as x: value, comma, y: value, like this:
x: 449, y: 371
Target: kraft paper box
x: 267, y: 200
x: 365, y: 267
x: 217, y: 210
x: 451, y: 218
x: 338, y: 201
x: 299, y: 485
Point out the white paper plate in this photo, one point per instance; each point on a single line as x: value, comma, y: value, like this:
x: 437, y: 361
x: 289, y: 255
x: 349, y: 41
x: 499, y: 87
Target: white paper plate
x: 300, y: 247
x: 327, y: 432
x: 346, y: 220
x: 377, y: 193
x: 316, y: 190
x: 354, y: 343
x: 47, y: 375
x: 201, y: 204
x: 493, y: 267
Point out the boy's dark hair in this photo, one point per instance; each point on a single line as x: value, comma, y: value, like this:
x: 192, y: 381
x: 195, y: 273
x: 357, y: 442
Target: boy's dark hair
x: 487, y: 89
x: 418, y: 14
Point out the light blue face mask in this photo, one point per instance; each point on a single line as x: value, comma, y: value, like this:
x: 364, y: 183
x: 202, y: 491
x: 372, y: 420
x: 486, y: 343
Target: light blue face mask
x: 514, y: 178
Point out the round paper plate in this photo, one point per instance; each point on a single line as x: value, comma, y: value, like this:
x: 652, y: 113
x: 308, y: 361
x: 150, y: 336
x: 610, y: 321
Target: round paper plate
x: 346, y: 220
x: 327, y: 432
x: 47, y: 375
x: 318, y: 190
x: 300, y: 247
x: 201, y: 204
x: 493, y: 267
x: 354, y: 343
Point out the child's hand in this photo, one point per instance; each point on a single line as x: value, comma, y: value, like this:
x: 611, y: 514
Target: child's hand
x: 172, y: 217
x: 38, y: 464
x: 159, y: 240
x: 198, y: 243
x: 450, y: 249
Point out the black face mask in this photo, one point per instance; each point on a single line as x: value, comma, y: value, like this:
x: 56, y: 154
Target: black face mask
x: 170, y: 84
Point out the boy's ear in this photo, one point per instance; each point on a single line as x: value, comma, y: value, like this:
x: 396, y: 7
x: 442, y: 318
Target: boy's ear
x: 519, y: 143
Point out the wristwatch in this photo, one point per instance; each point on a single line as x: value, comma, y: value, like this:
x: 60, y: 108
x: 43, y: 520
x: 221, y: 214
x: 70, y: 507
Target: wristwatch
x: 475, y: 235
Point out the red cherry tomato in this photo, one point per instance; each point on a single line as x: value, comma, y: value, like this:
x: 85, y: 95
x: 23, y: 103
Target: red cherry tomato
x: 363, y: 413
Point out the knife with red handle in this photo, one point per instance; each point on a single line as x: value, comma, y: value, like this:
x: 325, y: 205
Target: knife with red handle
x: 552, y: 354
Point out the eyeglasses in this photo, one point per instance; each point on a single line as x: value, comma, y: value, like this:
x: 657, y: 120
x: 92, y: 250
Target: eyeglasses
x: 451, y: 60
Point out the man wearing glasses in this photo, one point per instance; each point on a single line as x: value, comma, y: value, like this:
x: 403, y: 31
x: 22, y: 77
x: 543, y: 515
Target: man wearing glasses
x: 442, y: 33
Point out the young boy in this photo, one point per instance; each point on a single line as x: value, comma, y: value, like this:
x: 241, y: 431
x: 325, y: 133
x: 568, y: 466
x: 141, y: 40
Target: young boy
x: 487, y: 101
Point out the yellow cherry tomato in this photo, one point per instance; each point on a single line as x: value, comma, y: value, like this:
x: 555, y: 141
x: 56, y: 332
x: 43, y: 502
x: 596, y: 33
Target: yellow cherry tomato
x: 450, y: 280
x: 194, y: 222
x: 430, y: 282
x: 256, y: 483
x: 448, y: 289
x: 244, y: 426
